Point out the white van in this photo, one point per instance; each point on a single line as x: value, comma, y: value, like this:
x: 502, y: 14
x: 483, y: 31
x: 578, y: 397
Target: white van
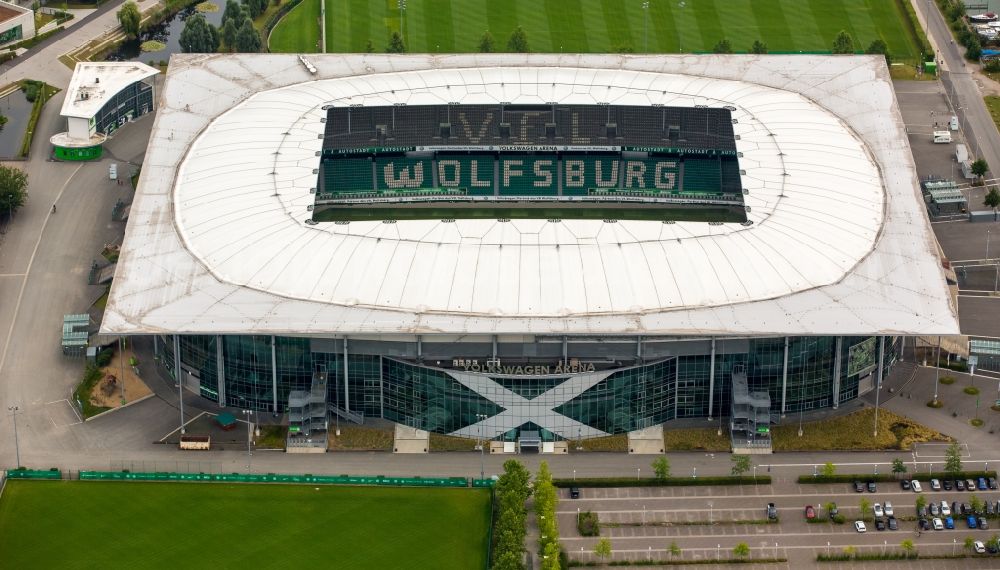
x: 953, y: 125
x: 942, y: 137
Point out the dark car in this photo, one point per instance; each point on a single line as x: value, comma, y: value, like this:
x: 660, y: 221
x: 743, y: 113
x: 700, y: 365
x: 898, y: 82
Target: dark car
x: 956, y: 508
x: 922, y: 512
x: 935, y: 510
x: 992, y: 548
x: 859, y: 487
x: 879, y: 524
x: 893, y: 525
x: 925, y: 524
x: 833, y: 511
x: 959, y: 485
x: 983, y: 524
x: 966, y: 509
x: 981, y: 483
x: 905, y: 484
x: 574, y: 492
x: 947, y: 485
x: 871, y: 487
x: 772, y: 513
x: 992, y: 482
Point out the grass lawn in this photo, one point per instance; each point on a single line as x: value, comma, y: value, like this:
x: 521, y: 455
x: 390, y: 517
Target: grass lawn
x: 184, y: 525
x: 993, y: 105
x: 853, y: 432
x: 298, y: 31
x: 696, y: 439
x: 595, y: 26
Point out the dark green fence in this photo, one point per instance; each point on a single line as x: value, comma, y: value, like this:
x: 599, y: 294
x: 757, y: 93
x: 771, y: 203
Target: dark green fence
x: 279, y: 478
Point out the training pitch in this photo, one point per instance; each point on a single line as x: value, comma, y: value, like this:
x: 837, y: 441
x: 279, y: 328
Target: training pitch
x: 603, y: 26
x: 185, y: 525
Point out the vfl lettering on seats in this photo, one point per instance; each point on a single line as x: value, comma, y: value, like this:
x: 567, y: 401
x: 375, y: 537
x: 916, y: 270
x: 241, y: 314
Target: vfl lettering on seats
x: 483, y: 128
x: 405, y: 179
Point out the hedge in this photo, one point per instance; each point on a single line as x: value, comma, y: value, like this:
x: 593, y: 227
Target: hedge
x: 669, y: 482
x: 700, y: 561
x: 891, y: 477
x: 873, y: 556
x: 915, y: 29
x: 32, y: 42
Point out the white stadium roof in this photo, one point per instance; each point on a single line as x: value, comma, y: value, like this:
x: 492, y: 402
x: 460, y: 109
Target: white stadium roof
x: 217, y: 240
x: 95, y: 83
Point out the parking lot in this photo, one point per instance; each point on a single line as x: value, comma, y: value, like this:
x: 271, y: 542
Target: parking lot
x: 708, y: 522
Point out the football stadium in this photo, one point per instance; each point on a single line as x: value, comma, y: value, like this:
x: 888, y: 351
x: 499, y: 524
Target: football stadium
x: 529, y: 248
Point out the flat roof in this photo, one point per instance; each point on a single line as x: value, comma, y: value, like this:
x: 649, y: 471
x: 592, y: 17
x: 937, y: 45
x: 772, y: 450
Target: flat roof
x: 220, y: 238
x: 94, y: 83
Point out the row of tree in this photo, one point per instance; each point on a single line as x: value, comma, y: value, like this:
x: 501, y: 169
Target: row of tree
x: 510, y: 493
x: 842, y: 44
x: 517, y: 43
x: 546, y: 499
x: 236, y: 31
x: 604, y: 549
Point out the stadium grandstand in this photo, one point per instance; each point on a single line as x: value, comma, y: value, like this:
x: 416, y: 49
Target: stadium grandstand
x: 363, y: 231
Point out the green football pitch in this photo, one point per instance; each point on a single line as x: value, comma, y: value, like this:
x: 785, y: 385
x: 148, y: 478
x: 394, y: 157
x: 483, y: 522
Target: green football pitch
x: 200, y: 525
x: 596, y: 26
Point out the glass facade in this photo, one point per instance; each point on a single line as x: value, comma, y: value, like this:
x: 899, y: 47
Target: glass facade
x: 128, y: 104
x: 621, y: 395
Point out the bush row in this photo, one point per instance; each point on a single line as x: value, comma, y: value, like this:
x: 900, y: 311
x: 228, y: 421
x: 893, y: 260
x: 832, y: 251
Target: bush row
x: 546, y: 498
x: 891, y: 477
x: 866, y: 556
x: 32, y: 42
x: 914, y: 28
x: 699, y: 561
x: 668, y: 482
x: 509, y: 495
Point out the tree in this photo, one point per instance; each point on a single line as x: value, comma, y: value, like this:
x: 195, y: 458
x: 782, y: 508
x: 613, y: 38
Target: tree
x: 953, y: 459
x: 758, y: 47
x: 850, y: 550
x: 921, y: 501
x: 742, y: 550
x: 829, y: 469
x: 486, y: 43
x: 994, y: 541
x: 992, y: 200
x: 970, y: 543
x: 879, y: 47
x: 518, y: 42
x: 229, y: 34
x: 198, y: 36
x: 980, y: 167
x: 255, y: 7
x: 898, y: 466
x: 675, y: 550
x: 396, y: 44
x: 829, y: 506
x: 976, y: 503
x: 603, y: 548
x: 723, y: 47
x: 13, y: 189
x: 907, y: 546
x: 247, y: 38
x: 864, y: 505
x: 741, y: 464
x: 129, y: 18
x: 843, y: 43
x: 661, y: 467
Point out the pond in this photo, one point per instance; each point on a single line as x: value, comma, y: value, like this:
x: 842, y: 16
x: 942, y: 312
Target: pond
x: 167, y: 32
x: 17, y: 109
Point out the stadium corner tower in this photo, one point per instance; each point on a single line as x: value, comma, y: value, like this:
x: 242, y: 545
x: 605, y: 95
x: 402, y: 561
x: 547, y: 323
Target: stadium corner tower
x: 529, y: 248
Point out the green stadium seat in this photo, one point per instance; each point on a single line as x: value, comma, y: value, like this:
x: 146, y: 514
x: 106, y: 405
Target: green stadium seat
x: 702, y: 175
x: 347, y: 175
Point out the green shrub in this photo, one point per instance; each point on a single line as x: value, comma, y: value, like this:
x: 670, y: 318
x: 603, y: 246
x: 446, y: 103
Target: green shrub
x: 971, y: 390
x: 947, y: 380
x: 650, y: 482
x: 104, y: 357
x: 587, y: 524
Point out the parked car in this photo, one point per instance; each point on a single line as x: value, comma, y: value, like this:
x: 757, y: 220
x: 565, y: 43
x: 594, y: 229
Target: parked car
x: 983, y: 524
x: 945, y: 509
x: 905, y: 484
x: 947, y: 485
x: 935, y: 509
x: 877, y: 508
x: 893, y: 525
x: 966, y: 508
x: 922, y: 512
x: 924, y: 524
x: 992, y: 482
x: 979, y: 546
x: 888, y: 509
x: 970, y: 485
x: 859, y: 487
x: 992, y: 547
x: 949, y: 523
x: 956, y: 508
x: 959, y: 485
x: 772, y: 512
x: 833, y: 511
x: 810, y: 512
x: 880, y: 524
x: 989, y: 508
x: 981, y: 483
x: 860, y: 526
x: 915, y: 485
x: 938, y: 525
x: 574, y: 492
x: 971, y: 521
x: 935, y: 485
x: 871, y: 487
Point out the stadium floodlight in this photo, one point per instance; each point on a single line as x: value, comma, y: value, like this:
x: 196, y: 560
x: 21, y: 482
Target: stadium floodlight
x: 402, y: 18
x: 17, y: 447
x: 645, y: 26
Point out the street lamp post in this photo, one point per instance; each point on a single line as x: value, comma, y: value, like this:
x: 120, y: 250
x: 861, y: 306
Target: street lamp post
x: 482, y: 448
x: 711, y: 519
x: 645, y: 26
x: 17, y: 446
x: 637, y: 469
x: 718, y: 551
x: 644, y: 515
x: 937, y: 369
x: 247, y: 414
x: 402, y: 18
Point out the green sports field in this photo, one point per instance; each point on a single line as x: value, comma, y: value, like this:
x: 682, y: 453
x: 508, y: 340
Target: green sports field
x: 298, y: 31
x: 590, y: 26
x: 201, y: 525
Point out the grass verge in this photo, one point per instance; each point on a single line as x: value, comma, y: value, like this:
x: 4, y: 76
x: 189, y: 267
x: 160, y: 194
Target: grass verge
x: 616, y: 443
x: 45, y: 92
x: 272, y: 437
x: 298, y: 30
x: 450, y: 443
x: 695, y: 439
x: 182, y: 525
x: 91, y: 376
x: 853, y: 432
x: 357, y: 438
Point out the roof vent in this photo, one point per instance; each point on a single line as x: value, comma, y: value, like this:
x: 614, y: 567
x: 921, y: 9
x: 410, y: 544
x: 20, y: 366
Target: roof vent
x: 97, y: 80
